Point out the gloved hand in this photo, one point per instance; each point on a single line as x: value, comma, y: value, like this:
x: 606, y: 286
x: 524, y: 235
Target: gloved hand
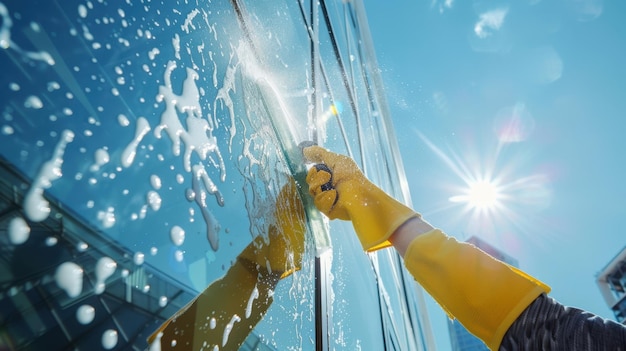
x: 281, y: 251
x: 257, y: 270
x: 340, y: 190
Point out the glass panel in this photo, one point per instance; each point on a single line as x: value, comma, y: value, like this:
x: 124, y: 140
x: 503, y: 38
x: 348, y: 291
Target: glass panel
x: 144, y: 127
x: 390, y: 293
x: 148, y: 154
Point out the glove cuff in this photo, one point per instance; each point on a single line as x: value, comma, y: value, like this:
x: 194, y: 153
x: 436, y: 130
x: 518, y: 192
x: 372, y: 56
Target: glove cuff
x: 376, y: 216
x: 484, y: 294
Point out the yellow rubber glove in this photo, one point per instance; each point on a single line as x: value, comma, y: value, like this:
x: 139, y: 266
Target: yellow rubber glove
x: 340, y: 190
x: 228, y: 310
x: 281, y: 251
x: 484, y: 294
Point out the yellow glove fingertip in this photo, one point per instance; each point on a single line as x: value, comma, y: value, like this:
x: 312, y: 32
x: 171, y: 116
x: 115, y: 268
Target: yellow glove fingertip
x: 316, y: 179
x: 315, y: 154
x: 325, y: 201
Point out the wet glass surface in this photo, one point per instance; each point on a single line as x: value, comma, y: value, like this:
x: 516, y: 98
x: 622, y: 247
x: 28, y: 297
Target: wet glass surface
x: 145, y: 149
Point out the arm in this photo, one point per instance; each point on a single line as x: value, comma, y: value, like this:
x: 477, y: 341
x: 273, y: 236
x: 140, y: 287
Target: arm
x: 484, y: 294
x: 503, y: 306
x: 212, y: 319
x: 411, y: 229
x: 228, y: 310
x: 548, y: 325
x: 544, y: 324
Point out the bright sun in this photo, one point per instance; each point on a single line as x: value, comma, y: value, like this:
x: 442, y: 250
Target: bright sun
x: 482, y: 195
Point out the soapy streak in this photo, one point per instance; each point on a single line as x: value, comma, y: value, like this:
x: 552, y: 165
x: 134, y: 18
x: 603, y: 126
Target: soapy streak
x: 212, y: 226
x: 198, y: 134
x: 36, y: 207
x: 7, y: 43
x: 129, y: 153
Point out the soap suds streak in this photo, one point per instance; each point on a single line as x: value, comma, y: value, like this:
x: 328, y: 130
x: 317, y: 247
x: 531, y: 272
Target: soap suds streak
x: 36, y: 207
x: 212, y: 225
x: 129, y: 153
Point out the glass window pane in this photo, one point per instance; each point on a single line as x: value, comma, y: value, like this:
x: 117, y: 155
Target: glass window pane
x: 150, y: 172
x: 144, y: 126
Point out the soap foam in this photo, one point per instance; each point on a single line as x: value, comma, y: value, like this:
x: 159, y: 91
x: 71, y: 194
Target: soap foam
x: 19, y: 231
x: 85, y: 314
x: 69, y: 277
x: 35, y: 206
x: 104, y: 269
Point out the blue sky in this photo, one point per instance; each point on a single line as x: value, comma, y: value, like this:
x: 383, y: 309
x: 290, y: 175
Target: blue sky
x: 530, y: 97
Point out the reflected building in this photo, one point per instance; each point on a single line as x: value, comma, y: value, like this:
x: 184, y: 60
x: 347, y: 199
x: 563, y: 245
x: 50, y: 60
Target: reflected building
x: 143, y: 148
x: 460, y: 338
x: 612, y: 283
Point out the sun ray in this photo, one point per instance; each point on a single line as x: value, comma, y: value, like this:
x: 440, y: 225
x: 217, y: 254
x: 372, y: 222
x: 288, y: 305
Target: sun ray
x: 492, y: 198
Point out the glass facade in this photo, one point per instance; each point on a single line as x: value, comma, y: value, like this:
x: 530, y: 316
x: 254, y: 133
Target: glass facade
x: 612, y: 283
x: 149, y: 153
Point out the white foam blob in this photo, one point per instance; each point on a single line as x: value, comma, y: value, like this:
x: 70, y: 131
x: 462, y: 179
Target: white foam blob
x: 199, y: 182
x: 69, y: 277
x: 85, y: 314
x: 197, y: 137
x: 52, y: 86
x: 177, y: 234
x: 253, y: 296
x: 109, y: 339
x: 104, y: 269
x: 82, y: 11
x: 82, y: 246
x: 33, y: 102
x: 51, y: 241
x: 155, y: 181
x: 129, y: 153
x: 176, y: 45
x: 139, y: 258
x: 152, y: 53
x: 179, y: 256
x: 101, y: 157
x: 154, y: 200
x: 190, y: 195
x: 229, y: 328
x: 35, y: 206
x: 6, y: 42
x: 19, y: 231
x: 107, y: 218
x: 123, y: 120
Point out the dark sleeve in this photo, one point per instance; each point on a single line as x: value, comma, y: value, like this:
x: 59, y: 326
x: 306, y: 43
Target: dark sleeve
x: 548, y: 325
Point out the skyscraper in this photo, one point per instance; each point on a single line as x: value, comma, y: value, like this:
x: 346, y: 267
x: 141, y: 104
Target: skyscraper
x: 460, y: 338
x: 612, y: 283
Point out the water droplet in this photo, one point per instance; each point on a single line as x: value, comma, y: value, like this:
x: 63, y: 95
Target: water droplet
x: 19, y: 231
x: 177, y: 234
x: 69, y: 277
x: 163, y: 301
x: 109, y: 339
x: 33, y: 102
x: 85, y: 314
x: 139, y: 258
